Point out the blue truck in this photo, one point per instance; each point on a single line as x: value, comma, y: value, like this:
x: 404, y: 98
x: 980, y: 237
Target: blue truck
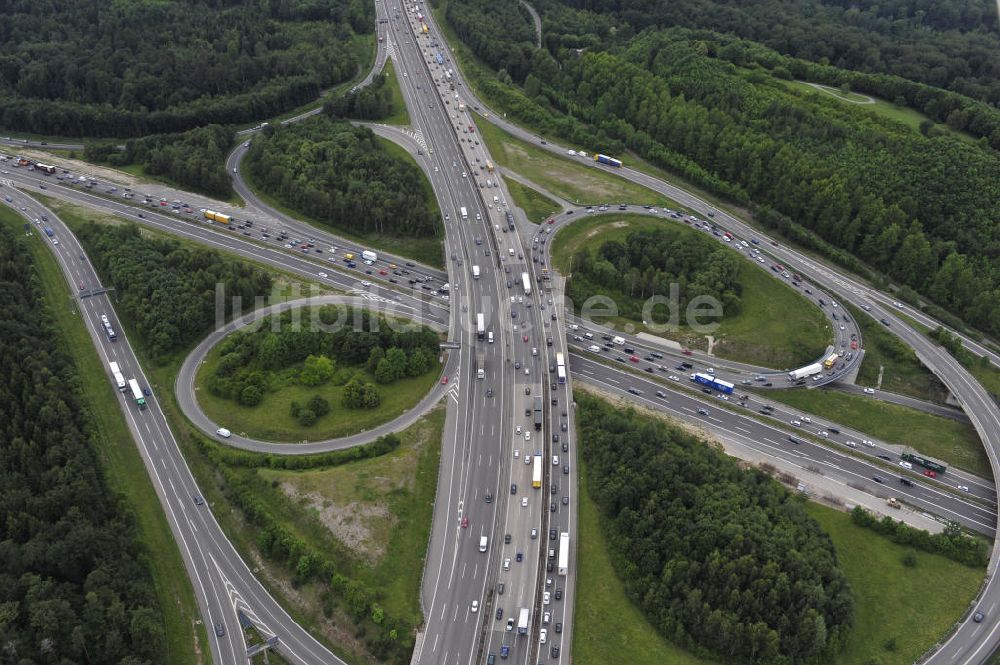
x: 712, y: 382
x: 610, y: 161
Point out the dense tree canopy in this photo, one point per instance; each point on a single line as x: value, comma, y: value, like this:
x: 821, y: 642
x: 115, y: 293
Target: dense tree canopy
x: 72, y: 588
x: 340, y: 175
x: 132, y: 68
x: 721, y: 559
x: 195, y: 159
x: 647, y: 263
x: 167, y: 290
x: 921, y: 209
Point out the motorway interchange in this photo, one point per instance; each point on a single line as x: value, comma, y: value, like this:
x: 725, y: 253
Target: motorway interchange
x: 474, y: 596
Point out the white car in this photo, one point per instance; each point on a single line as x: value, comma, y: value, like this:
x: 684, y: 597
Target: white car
x: 797, y: 423
x: 527, y: 459
x: 869, y: 391
x: 824, y: 433
x: 546, y: 618
x: 555, y: 460
x: 517, y: 453
x: 464, y: 174
x: 366, y: 283
x: 674, y: 377
x: 506, y: 564
x: 323, y: 275
x: 805, y: 419
x: 223, y: 432
x: 546, y: 598
x: 851, y: 444
x: 524, y: 502
x: 868, y: 442
x: 905, y: 465
x: 964, y: 488
x: 517, y: 430
x: 543, y: 635
x: 475, y: 606
x: 527, y: 435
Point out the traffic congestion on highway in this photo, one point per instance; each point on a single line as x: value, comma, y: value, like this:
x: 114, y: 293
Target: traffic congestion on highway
x: 499, y: 582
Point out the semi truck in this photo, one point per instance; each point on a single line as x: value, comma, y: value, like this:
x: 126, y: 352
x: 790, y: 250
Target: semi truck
x: 369, y: 255
x: 610, y: 161
x: 116, y: 372
x: 522, y: 621
x: 45, y: 168
x: 480, y: 325
x: 480, y: 365
x: 804, y: 372
x: 526, y: 283
x: 464, y: 212
x: 538, y: 413
x: 924, y: 462
x: 536, y: 471
x: 830, y: 361
x: 140, y: 401
x: 563, y: 553
x: 217, y: 216
x: 561, y: 367
x: 712, y: 382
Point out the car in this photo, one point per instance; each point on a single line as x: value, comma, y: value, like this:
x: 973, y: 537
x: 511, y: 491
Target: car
x: 524, y: 502
x: 527, y: 435
x: 558, y: 593
x: 499, y: 613
x: 703, y: 412
x: 869, y: 391
x: 506, y: 563
x: 510, y: 624
x: 824, y: 433
x: 543, y: 635
x: 905, y: 464
x: 674, y: 377
x: 505, y: 649
x: 868, y: 442
x: 220, y: 630
x: 554, y: 651
x: 930, y: 474
x: 534, y: 533
x: 546, y: 598
x: 488, y: 498
x: 474, y: 607
x: 878, y: 479
x: 444, y: 380
x: 465, y: 522
x: 964, y: 488
x: 978, y: 617
x: 559, y: 627
x: 797, y: 423
x: 198, y: 500
x: 223, y: 432
x: 365, y: 283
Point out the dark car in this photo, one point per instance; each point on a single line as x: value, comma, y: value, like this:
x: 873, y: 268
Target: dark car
x: 499, y: 613
x: 199, y: 500
x: 906, y: 481
x: 878, y: 479
x: 978, y: 617
x: 220, y: 630
x: 555, y: 651
x: 513, y: 488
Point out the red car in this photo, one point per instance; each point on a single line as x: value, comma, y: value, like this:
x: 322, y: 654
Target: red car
x: 382, y: 272
x: 552, y: 220
x: 930, y: 474
x: 686, y: 352
x: 465, y: 522
x: 634, y: 359
x: 854, y: 343
x: 444, y: 380
x: 525, y: 338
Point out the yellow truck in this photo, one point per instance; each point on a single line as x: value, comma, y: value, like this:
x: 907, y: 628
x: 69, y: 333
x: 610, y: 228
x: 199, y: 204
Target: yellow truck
x: 349, y: 256
x: 489, y: 166
x: 217, y: 217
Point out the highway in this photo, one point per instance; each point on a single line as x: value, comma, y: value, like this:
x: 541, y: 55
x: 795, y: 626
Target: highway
x: 489, y: 428
x: 223, y: 584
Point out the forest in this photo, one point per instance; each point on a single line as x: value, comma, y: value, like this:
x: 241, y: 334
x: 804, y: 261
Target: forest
x: 165, y: 290
x: 249, y: 361
x: 647, y: 263
x: 837, y: 178
x: 951, y: 44
x: 73, y: 586
x: 721, y: 559
x: 341, y: 176
x: 133, y: 68
x: 194, y: 160
x: 372, y: 102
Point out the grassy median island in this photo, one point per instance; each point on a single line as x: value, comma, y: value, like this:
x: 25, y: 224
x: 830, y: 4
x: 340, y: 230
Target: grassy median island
x: 950, y: 441
x: 564, y: 177
x: 895, y: 617
x: 302, y: 385
x: 536, y: 205
x: 774, y: 326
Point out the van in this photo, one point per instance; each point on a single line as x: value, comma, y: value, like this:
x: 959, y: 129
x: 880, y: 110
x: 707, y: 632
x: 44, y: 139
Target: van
x: 223, y: 432
x: 618, y: 340
x: 484, y: 541
x: 489, y: 337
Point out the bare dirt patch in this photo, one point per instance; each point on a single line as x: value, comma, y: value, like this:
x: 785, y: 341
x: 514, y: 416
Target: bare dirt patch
x: 351, y: 523
x: 79, y: 166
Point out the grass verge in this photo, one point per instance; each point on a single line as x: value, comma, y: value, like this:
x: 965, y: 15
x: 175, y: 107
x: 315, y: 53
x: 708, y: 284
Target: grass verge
x: 564, y: 177
x: 902, y: 372
x: 775, y: 327
x: 429, y: 251
x: 535, y: 205
x: 271, y: 420
x: 185, y: 637
x: 400, y: 116
x: 896, y: 619
x: 942, y: 438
